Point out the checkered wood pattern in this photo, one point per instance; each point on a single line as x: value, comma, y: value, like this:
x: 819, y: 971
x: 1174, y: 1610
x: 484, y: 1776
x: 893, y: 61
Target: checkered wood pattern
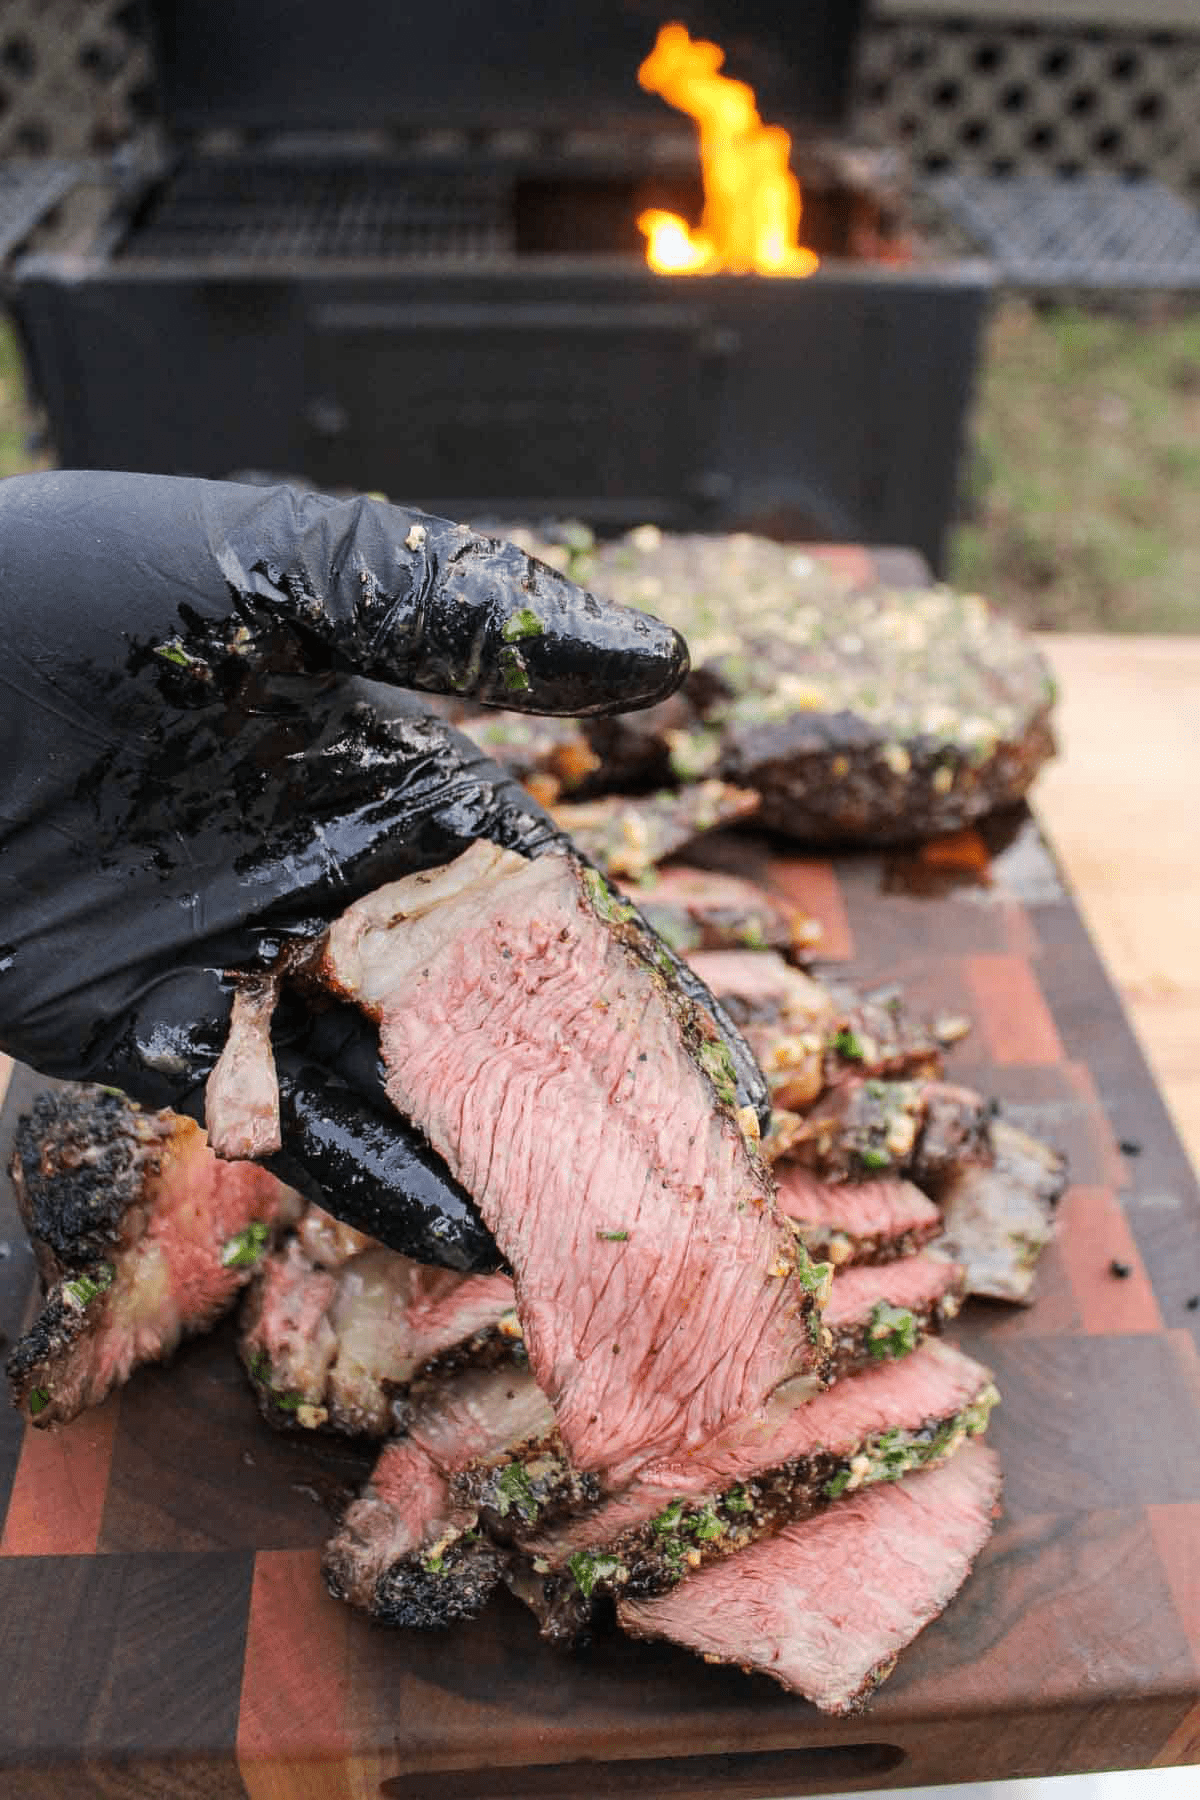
x: 163, y: 1627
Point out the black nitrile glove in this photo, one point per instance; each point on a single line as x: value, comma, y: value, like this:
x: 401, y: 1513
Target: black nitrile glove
x: 192, y: 771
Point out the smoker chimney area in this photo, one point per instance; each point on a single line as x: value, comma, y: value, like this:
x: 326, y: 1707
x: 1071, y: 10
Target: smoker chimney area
x: 396, y: 248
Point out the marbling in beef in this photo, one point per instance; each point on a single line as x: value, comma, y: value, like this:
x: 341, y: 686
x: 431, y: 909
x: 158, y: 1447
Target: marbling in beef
x: 141, y: 1235
x: 333, y: 1336
x: 543, y: 1043
x: 826, y: 1606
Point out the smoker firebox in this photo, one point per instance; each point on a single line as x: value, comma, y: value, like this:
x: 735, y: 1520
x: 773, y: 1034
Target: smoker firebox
x: 471, y: 326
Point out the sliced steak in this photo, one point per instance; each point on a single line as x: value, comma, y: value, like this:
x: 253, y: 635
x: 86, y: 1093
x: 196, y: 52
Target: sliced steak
x: 826, y: 1606
x: 858, y: 713
x: 406, y: 1551
x: 542, y: 1042
x: 337, y: 1347
x: 809, y: 1034
x: 785, y: 1464
x: 241, y: 1097
x: 141, y: 1235
x: 787, y: 1017
x: 999, y: 1218
x: 856, y: 1221
x: 864, y: 1128
x: 706, y: 909
x: 626, y: 834
x: 878, y: 1312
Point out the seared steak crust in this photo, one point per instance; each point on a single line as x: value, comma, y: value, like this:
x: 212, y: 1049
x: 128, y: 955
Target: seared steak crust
x: 826, y: 1606
x: 141, y: 1235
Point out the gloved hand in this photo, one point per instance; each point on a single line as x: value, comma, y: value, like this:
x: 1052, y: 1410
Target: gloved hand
x: 193, y: 770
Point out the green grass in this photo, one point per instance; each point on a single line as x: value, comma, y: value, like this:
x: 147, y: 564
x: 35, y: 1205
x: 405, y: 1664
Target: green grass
x: 1084, y: 485
x: 1084, y: 479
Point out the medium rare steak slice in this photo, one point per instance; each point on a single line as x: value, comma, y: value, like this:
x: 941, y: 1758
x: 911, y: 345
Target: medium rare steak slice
x: 626, y: 834
x: 999, y: 1219
x: 784, y: 1464
x: 541, y: 1040
x: 337, y: 1343
x: 706, y: 909
x: 856, y: 1221
x: 407, y: 1552
x: 141, y: 1236
x: 877, y: 1312
x: 826, y: 1607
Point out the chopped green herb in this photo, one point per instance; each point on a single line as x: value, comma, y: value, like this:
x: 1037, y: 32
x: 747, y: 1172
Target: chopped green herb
x: 871, y: 1158
x: 892, y: 1331
x: 668, y: 1519
x: 613, y: 1237
x: 173, y: 653
x: 605, y: 904
x: 260, y: 1367
x: 114, y: 1093
x: 838, y: 1485
x: 512, y: 671
x: 589, y: 1569
x: 814, y: 1277
x: 244, y: 1250
x: 705, y: 1526
x: 434, y: 1564
x: 292, y: 1401
x: 737, y: 1500
x: 39, y: 1400
x: 523, y: 624
x: 847, y: 1045
x: 752, y: 935
x: 717, y: 1064
x: 514, y: 1493
x: 85, y: 1288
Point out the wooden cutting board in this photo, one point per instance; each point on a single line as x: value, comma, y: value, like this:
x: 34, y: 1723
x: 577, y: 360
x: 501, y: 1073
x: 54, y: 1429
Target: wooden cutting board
x: 163, y: 1628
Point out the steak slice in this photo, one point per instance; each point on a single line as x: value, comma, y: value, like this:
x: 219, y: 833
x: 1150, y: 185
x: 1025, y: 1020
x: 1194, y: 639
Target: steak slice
x: 876, y: 1312
x: 141, y: 1236
x: 336, y: 1344
x: 550, y: 757
x: 626, y: 834
x: 863, y: 1128
x: 826, y: 1606
x: 706, y: 909
x: 856, y: 1221
x: 785, y: 1464
x: 407, y: 1552
x: 541, y: 1040
x: 807, y: 1034
x: 858, y: 713
x: 999, y: 1218
x: 241, y: 1097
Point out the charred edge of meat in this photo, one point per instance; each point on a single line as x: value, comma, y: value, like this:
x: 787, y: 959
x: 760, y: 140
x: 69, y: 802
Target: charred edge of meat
x: 712, y: 1040
x: 290, y: 1409
x: 689, y: 1534
x: 843, y: 1248
x: 433, y: 1589
x: 81, y: 1157
x: 60, y: 1323
x: 487, y: 1348
x: 891, y: 1331
x: 532, y: 1488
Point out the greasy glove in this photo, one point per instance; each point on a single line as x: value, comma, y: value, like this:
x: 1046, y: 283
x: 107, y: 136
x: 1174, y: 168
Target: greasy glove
x: 193, y: 772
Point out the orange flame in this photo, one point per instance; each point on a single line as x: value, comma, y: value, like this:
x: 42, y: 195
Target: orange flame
x: 751, y: 216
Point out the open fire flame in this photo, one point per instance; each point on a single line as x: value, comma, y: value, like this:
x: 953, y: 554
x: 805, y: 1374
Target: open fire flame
x: 751, y: 217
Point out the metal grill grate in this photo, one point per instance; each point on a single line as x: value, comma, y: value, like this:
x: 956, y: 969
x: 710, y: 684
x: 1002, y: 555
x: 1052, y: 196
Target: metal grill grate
x: 1093, y: 232
x: 239, y: 210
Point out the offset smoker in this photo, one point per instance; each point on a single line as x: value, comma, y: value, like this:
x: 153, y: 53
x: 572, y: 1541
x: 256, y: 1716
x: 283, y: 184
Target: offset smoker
x: 439, y: 290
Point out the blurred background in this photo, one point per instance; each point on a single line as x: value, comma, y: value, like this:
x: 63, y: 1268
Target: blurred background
x: 998, y: 361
